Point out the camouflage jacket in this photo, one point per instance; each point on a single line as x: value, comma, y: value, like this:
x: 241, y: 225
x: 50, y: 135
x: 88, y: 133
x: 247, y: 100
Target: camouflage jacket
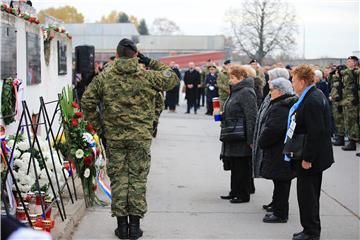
x: 350, y: 91
x: 336, y: 91
x: 224, y: 87
x: 159, y: 105
x: 127, y: 93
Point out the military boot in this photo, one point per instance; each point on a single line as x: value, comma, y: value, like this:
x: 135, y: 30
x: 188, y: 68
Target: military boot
x: 339, y: 141
x: 358, y: 154
x: 134, y: 227
x: 122, y: 231
x: 351, y: 146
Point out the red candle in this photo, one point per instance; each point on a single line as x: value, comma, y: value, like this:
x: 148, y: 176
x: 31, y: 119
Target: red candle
x: 216, y: 103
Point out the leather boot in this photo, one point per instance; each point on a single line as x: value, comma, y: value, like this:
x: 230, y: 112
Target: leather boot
x: 122, y: 231
x: 351, y: 146
x: 134, y: 227
x: 339, y: 141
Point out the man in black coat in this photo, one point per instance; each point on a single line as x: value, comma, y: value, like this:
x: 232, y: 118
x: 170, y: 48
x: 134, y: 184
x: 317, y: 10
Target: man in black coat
x: 172, y: 94
x: 191, y: 80
x: 312, y: 118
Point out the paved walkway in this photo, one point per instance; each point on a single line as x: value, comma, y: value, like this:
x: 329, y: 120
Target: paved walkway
x: 186, y: 180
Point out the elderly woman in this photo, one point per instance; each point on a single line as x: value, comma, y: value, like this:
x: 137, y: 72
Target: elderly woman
x: 236, y: 154
x: 321, y: 84
x: 309, y: 117
x: 257, y: 152
x: 271, y: 141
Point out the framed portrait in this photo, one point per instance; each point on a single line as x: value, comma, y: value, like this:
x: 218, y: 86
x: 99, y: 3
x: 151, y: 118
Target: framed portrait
x: 7, y: 51
x: 33, y: 62
x: 62, y: 58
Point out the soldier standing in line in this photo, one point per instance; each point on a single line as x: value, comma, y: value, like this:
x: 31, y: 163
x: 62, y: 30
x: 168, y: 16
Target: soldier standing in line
x: 223, y: 84
x: 336, y: 96
x: 357, y: 72
x: 128, y: 92
x: 350, y: 103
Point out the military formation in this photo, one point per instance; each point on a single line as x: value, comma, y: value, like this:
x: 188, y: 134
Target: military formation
x: 344, y: 96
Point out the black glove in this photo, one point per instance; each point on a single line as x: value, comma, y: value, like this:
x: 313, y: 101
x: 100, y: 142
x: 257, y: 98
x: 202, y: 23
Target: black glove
x: 143, y: 59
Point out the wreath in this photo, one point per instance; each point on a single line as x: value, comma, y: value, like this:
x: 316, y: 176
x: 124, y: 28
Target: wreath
x: 8, y: 101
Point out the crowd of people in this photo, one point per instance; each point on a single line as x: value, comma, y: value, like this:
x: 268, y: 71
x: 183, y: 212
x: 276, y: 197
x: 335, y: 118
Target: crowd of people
x: 277, y: 123
x: 270, y: 110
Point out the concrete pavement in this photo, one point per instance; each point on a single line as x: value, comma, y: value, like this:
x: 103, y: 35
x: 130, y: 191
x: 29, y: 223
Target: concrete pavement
x: 186, y: 180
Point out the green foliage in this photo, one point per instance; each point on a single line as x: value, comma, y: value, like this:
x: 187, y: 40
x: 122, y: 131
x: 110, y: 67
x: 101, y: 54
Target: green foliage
x: 123, y: 18
x: 142, y: 28
x: 8, y: 101
x: 67, y: 98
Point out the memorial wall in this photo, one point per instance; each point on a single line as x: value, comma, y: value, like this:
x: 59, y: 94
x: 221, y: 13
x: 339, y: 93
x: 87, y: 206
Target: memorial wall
x: 23, y: 52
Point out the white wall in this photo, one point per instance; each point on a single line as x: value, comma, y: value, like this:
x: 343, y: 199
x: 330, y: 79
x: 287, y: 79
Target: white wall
x: 51, y: 83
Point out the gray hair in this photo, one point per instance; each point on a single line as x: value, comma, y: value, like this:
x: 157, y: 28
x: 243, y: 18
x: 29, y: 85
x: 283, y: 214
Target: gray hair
x: 283, y: 85
x: 319, y: 73
x: 278, y: 73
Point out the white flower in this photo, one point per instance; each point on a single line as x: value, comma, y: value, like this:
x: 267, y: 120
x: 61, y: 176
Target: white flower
x: 17, y: 153
x: 26, y: 156
x: 87, y: 173
x: 23, y: 146
x: 79, y: 153
x: 88, y: 137
x: 10, y: 143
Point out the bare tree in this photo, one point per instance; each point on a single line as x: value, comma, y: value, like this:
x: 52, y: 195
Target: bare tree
x: 262, y: 26
x: 164, y: 26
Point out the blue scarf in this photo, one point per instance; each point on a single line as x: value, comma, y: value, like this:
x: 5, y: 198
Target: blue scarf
x: 293, y: 110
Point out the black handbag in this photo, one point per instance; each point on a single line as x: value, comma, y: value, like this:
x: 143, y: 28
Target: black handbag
x: 233, y: 130
x: 294, y: 147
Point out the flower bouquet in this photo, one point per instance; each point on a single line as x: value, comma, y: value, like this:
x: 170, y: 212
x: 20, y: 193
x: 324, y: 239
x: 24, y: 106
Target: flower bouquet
x: 81, y: 141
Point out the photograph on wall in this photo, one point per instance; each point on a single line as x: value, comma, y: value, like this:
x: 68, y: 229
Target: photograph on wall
x: 33, y: 62
x: 8, y: 51
x: 62, y: 59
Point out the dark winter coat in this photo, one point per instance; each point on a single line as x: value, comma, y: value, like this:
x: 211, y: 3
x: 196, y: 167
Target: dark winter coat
x: 171, y: 95
x: 241, y: 104
x: 272, y: 138
x: 258, y: 87
x: 192, y: 77
x: 313, y: 119
x: 211, y: 86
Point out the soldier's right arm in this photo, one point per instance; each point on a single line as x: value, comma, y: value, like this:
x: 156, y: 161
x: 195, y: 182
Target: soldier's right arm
x: 223, y: 83
x: 89, y: 101
x: 161, y: 76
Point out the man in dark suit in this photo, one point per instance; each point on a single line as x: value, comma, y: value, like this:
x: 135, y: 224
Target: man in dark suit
x: 191, y: 80
x: 311, y: 117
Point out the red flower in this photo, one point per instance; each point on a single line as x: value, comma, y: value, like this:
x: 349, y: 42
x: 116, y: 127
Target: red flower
x: 88, y: 161
x: 94, y: 188
x: 75, y: 105
x: 97, y: 152
x: 78, y: 114
x: 74, y: 122
x: 90, y: 128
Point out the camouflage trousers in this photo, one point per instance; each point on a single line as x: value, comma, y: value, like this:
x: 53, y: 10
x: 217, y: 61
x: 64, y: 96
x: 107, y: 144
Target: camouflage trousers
x: 128, y: 168
x: 351, y: 117
x: 338, y: 119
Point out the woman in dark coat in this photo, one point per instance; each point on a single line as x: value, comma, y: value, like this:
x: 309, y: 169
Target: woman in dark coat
x: 236, y: 156
x: 271, y: 141
x: 311, y: 116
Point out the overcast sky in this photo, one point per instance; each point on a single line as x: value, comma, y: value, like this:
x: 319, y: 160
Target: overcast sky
x: 331, y: 26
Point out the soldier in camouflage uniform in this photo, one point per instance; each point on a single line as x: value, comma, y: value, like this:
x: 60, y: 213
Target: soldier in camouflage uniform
x: 159, y: 107
x: 336, y: 95
x: 223, y: 84
x: 350, y: 103
x: 128, y: 92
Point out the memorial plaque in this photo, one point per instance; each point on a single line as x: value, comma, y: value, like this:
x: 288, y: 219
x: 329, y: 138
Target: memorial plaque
x: 62, y: 59
x: 33, y: 62
x: 7, y: 51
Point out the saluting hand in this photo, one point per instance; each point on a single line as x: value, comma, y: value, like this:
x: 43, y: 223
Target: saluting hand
x: 306, y: 165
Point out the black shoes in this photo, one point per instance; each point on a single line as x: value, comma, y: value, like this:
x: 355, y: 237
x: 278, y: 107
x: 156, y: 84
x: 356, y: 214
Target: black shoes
x: 269, y: 207
x: 303, y: 236
x: 122, y: 231
x: 239, y: 200
x: 228, y: 197
x: 339, y: 141
x: 271, y: 218
x: 134, y: 227
x: 351, y: 146
x: 358, y: 154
